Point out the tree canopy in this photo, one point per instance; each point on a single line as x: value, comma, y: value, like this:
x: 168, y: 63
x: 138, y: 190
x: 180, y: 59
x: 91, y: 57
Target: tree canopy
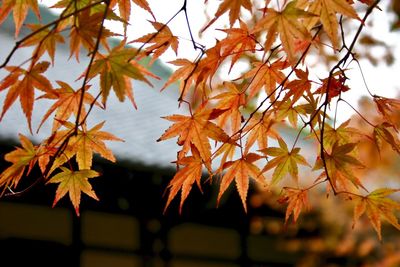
x: 275, y: 124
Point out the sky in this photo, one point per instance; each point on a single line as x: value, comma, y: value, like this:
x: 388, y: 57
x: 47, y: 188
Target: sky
x: 381, y: 79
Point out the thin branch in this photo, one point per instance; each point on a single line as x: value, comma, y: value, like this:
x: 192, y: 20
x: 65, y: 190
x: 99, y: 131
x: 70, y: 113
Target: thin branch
x: 86, y: 78
x: 341, y: 62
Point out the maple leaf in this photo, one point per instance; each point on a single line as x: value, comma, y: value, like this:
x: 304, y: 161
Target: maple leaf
x: 143, y: 4
x: 73, y: 183
x: 230, y: 101
x: 233, y: 6
x: 259, y: 129
x: 377, y: 207
x: 341, y: 135
x: 326, y: 11
x: 285, y: 110
x: 185, y: 177
x: 81, y: 144
x: 20, y: 11
x: 311, y: 108
x: 197, y: 72
x: 67, y: 103
x: 387, y: 107
x: 124, y: 7
x: 287, y: 23
x: 185, y: 74
x: 339, y: 164
x: 336, y: 87
x: 382, y: 133
x: 45, y: 40
x: 85, y: 32
x: 297, y: 88
x: 21, y: 158
x: 237, y: 42
x: 227, y: 150
x: 265, y: 75
x: 297, y: 200
x: 162, y: 39
x: 208, y: 65
x: 86, y: 142
x: 241, y: 171
x: 196, y: 130
x: 116, y: 71
x: 24, y: 88
x: 285, y: 161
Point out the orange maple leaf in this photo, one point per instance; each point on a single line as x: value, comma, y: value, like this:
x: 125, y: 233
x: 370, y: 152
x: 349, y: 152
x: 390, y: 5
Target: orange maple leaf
x: 230, y: 101
x: 196, y: 130
x: 259, y: 129
x: 185, y: 177
x: 162, y: 39
x: 237, y: 42
x: 185, y: 74
x: 265, y: 75
x: 208, y: 65
x: 227, y: 150
x: 67, y: 103
x: 85, y: 32
x: 287, y: 23
x: 387, y: 107
x: 20, y: 11
x: 326, y: 11
x: 24, y: 88
x: 298, y: 87
x: 73, y: 183
x: 45, y: 40
x: 233, y: 6
x: 377, y: 206
x: 198, y: 72
x: 124, y: 7
x: 21, y: 158
x: 241, y: 170
x: 297, y: 200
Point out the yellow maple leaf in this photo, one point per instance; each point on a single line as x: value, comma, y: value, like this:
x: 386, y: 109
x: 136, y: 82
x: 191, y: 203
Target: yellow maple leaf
x: 21, y: 158
x: 116, y: 70
x: 285, y: 161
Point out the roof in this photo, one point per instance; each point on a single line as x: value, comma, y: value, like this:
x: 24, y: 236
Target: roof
x: 139, y: 128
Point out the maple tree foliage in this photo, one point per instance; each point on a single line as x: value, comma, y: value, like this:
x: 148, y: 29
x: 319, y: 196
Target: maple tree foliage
x: 237, y: 131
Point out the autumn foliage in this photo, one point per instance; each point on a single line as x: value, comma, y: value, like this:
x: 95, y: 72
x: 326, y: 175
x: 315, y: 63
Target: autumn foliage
x: 273, y: 124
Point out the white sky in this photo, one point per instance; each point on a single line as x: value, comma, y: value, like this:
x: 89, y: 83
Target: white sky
x: 381, y: 80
